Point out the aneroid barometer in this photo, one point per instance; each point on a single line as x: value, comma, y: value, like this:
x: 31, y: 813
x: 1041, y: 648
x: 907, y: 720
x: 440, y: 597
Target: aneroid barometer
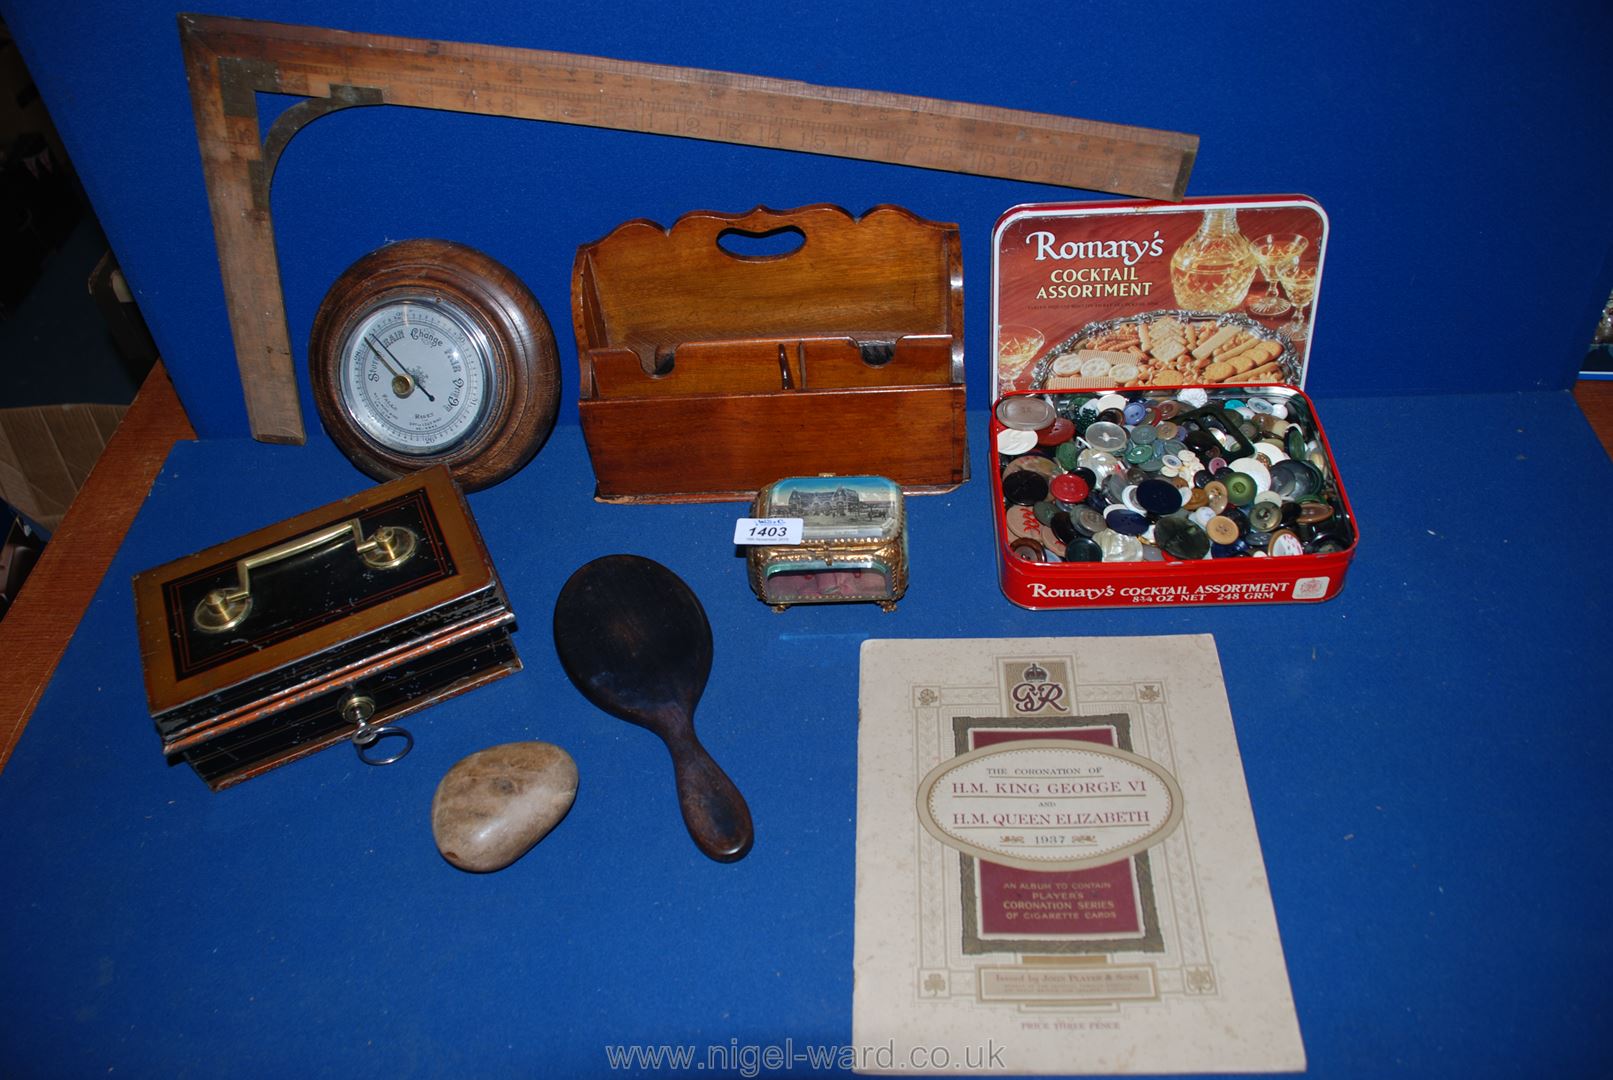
x: 427, y: 352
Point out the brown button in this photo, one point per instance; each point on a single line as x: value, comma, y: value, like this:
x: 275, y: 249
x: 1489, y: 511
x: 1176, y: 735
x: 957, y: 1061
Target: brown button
x: 1022, y: 523
x: 1215, y: 493
x: 1284, y: 542
x: 1036, y: 463
x: 1027, y: 549
x: 1312, y: 512
x: 1196, y: 499
x: 1223, y: 530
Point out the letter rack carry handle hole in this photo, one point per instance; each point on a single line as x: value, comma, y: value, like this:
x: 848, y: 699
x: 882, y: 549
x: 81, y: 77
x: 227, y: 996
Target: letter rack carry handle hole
x: 225, y: 609
x: 755, y: 245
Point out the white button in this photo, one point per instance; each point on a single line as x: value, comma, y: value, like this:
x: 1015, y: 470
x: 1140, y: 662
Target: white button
x: 1109, y: 401
x: 1252, y: 468
x: 1014, y: 441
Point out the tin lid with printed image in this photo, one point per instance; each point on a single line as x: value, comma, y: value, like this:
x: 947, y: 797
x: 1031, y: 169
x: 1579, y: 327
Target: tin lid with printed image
x: 1140, y: 293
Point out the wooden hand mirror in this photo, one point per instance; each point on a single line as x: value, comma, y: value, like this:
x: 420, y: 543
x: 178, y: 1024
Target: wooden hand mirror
x: 635, y: 640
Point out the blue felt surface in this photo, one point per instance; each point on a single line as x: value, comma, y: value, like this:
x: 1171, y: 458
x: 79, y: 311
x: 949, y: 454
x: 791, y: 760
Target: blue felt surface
x: 1461, y: 156
x: 1426, y: 756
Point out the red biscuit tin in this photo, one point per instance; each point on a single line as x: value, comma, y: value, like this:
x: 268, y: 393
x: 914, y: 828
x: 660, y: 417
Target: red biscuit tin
x: 1108, y: 315
x: 1252, y: 568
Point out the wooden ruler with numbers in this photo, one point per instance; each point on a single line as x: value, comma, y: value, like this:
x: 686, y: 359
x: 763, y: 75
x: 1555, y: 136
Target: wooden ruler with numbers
x: 230, y: 60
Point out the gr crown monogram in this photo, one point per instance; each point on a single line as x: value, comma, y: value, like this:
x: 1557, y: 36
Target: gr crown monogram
x: 1036, y: 692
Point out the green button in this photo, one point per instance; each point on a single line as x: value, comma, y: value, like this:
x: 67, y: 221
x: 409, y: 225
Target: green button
x: 1265, y: 516
x: 1241, y: 489
x: 1181, y: 537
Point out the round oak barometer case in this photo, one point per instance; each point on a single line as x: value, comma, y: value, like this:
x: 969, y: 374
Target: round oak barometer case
x: 428, y: 352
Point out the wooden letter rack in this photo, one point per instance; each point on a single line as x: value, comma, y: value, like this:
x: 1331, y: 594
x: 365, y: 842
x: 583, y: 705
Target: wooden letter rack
x: 708, y: 373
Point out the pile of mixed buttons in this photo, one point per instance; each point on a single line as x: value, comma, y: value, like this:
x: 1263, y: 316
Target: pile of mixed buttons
x: 1147, y: 476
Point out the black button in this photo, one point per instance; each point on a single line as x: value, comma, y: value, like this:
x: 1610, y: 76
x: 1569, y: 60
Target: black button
x: 1159, y: 497
x: 1063, y: 527
x: 1126, y: 522
x: 1023, y: 487
x: 1083, y: 550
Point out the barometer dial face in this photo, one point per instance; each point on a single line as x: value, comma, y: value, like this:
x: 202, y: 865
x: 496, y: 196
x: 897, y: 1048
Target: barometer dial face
x: 417, y: 376
x: 428, y: 352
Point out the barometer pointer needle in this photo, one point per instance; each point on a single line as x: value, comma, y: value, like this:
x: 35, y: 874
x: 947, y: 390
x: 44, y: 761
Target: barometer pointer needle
x: 411, y: 380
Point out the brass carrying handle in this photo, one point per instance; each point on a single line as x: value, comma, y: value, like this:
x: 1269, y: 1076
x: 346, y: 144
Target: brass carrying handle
x: 225, y: 609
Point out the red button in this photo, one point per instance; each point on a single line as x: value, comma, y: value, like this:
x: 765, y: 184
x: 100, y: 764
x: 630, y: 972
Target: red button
x: 1059, y: 431
x: 1069, y: 488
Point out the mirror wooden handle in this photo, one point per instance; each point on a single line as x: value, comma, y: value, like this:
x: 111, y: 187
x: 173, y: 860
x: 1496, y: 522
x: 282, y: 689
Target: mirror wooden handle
x: 715, y: 813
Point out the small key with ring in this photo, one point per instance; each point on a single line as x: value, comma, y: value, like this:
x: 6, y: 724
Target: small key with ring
x: 357, y: 709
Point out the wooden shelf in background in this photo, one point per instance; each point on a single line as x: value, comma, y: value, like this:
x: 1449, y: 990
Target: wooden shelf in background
x: 37, y: 627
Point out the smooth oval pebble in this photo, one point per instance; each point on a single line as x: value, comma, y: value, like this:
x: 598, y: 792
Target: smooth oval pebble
x: 493, y: 806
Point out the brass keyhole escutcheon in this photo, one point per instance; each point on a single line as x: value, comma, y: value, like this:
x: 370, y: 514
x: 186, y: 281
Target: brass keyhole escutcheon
x: 357, y: 709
